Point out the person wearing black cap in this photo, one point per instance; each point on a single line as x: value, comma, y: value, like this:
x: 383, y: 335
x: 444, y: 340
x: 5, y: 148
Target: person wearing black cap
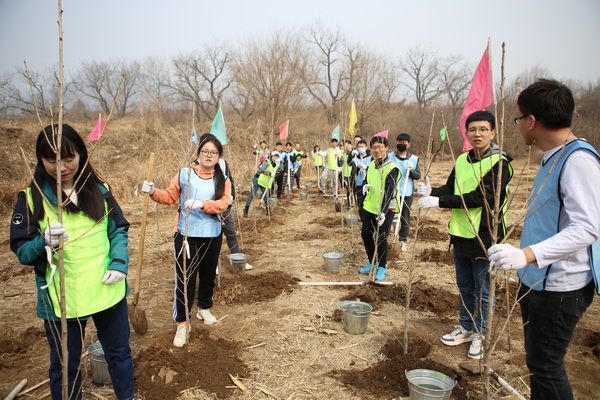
x: 405, y: 160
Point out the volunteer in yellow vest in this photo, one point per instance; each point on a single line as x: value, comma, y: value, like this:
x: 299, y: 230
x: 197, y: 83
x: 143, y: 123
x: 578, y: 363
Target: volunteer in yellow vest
x: 379, y: 206
x: 94, y: 235
x: 474, y: 182
x: 263, y: 181
x: 202, y: 192
x: 332, y: 166
x: 318, y: 162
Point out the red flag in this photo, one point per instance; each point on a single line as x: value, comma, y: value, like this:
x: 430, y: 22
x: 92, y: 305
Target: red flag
x: 481, y: 94
x: 283, y: 130
x: 382, y: 134
x: 98, y: 130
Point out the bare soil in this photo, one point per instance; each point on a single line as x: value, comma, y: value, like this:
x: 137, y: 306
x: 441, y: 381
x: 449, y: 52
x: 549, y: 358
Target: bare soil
x: 285, y: 340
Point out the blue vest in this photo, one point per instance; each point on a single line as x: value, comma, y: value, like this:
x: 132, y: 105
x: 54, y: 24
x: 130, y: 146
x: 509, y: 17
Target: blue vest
x: 361, y: 175
x: 544, y: 206
x: 410, y: 186
x: 199, y: 223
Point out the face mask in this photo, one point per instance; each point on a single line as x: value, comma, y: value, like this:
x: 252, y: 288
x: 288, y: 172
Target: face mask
x: 401, y: 147
x: 362, y: 151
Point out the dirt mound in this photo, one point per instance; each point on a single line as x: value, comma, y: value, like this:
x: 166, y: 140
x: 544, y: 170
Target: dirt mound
x: 431, y: 234
x: 326, y: 222
x: 417, y: 347
x: 424, y: 298
x: 435, y: 255
x: 252, y: 288
x: 163, y: 372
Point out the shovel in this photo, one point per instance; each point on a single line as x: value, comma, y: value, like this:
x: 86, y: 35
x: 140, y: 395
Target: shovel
x: 476, y: 367
x: 137, y: 315
x: 396, y: 244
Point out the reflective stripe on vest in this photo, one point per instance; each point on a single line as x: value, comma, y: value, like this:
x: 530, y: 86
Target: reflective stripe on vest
x: 199, y: 223
x: 543, y: 213
x: 86, y: 260
x: 377, y: 178
x: 467, y: 177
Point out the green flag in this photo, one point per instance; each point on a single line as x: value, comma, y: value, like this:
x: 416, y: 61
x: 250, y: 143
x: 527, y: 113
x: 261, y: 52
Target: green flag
x: 443, y: 134
x: 218, y: 127
x: 335, y: 133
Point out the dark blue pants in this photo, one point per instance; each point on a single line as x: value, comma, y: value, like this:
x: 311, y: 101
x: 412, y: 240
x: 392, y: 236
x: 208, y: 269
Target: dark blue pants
x: 473, y: 281
x: 368, y: 232
x: 549, y: 320
x: 405, y: 218
x: 113, y: 332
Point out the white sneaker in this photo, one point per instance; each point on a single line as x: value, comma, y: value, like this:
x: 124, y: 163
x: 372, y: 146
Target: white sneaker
x: 476, y: 348
x: 206, y: 316
x: 404, y: 247
x: 457, y: 336
x: 181, y: 335
x: 248, y: 267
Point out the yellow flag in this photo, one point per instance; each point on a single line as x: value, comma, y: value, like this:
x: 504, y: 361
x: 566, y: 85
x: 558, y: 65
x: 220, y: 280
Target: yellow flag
x: 353, y: 118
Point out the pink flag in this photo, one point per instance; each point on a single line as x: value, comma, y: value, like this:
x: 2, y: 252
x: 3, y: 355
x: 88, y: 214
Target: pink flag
x: 98, y: 130
x: 283, y: 130
x: 481, y: 94
x: 382, y: 134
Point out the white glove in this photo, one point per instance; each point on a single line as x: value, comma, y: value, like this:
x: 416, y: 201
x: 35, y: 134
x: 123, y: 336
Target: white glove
x: 254, y: 146
x: 362, y: 165
x: 428, y: 202
x: 366, y: 188
x: 192, y: 204
x: 148, y: 187
x: 409, y: 165
x: 380, y: 219
x: 506, y: 256
x: 273, y: 173
x: 52, y: 233
x: 424, y: 189
x: 354, y: 152
x: 113, y: 276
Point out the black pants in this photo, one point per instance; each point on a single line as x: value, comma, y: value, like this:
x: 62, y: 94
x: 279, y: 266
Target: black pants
x: 405, y: 218
x: 360, y: 199
x: 549, y: 320
x: 280, y: 184
x: 202, y: 264
x: 368, y: 232
x: 297, y: 176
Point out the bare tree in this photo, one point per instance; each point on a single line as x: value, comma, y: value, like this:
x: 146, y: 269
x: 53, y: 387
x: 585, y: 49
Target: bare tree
x: 421, y: 66
x: 455, y: 79
x: 329, y: 68
x: 265, y: 78
x: 154, y: 82
x: 100, y: 81
x: 202, y: 77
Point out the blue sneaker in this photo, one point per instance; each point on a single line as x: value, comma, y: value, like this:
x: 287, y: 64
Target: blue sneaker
x: 381, y: 273
x: 365, y: 269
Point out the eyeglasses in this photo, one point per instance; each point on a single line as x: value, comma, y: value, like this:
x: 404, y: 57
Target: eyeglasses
x: 518, y: 119
x: 484, y: 130
x: 211, y: 153
x: 381, y: 147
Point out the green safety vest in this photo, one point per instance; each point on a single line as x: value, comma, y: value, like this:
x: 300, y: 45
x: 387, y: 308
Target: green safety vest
x: 301, y: 153
x: 346, y: 169
x: 265, y: 179
x: 318, y: 160
x: 467, y: 177
x: 377, y: 178
x: 86, y: 260
x: 332, y: 156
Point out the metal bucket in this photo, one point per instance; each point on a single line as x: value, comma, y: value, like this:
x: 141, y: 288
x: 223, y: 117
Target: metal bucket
x: 237, y: 262
x: 303, y: 195
x: 355, y: 316
x: 351, y: 221
x: 332, y: 261
x: 98, y: 365
x: 233, y: 212
x: 273, y: 201
x: 308, y: 186
x: 425, y: 384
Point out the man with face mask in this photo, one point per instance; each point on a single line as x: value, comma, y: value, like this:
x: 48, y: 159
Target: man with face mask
x: 405, y: 160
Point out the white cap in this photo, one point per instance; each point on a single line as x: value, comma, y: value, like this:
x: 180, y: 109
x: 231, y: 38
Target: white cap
x: 274, y: 153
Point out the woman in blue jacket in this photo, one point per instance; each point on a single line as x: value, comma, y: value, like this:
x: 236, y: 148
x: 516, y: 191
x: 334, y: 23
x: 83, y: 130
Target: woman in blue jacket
x: 94, y: 233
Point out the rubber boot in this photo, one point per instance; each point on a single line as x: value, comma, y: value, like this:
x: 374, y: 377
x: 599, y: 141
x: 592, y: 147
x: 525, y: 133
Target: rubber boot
x: 246, y: 209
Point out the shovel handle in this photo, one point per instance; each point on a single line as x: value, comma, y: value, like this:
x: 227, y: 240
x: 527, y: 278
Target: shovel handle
x: 136, y: 289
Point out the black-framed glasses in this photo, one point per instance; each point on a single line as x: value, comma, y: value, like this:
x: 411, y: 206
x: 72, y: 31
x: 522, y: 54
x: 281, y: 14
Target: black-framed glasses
x: 518, y: 119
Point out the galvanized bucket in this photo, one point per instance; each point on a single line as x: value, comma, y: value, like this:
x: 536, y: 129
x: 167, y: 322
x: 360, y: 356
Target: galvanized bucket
x: 425, y: 384
x: 332, y: 261
x: 355, y: 316
x: 98, y: 365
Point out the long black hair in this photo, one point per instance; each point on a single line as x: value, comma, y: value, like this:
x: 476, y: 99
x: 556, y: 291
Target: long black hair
x: 89, y: 196
x: 219, y: 173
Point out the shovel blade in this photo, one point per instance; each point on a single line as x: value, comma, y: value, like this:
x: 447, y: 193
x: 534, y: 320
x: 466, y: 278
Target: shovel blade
x: 137, y: 319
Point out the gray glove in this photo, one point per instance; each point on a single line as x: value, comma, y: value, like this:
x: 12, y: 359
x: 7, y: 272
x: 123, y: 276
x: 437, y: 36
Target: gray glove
x: 148, y: 187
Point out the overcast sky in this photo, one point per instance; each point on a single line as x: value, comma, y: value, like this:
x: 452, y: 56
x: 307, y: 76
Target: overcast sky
x: 561, y: 36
